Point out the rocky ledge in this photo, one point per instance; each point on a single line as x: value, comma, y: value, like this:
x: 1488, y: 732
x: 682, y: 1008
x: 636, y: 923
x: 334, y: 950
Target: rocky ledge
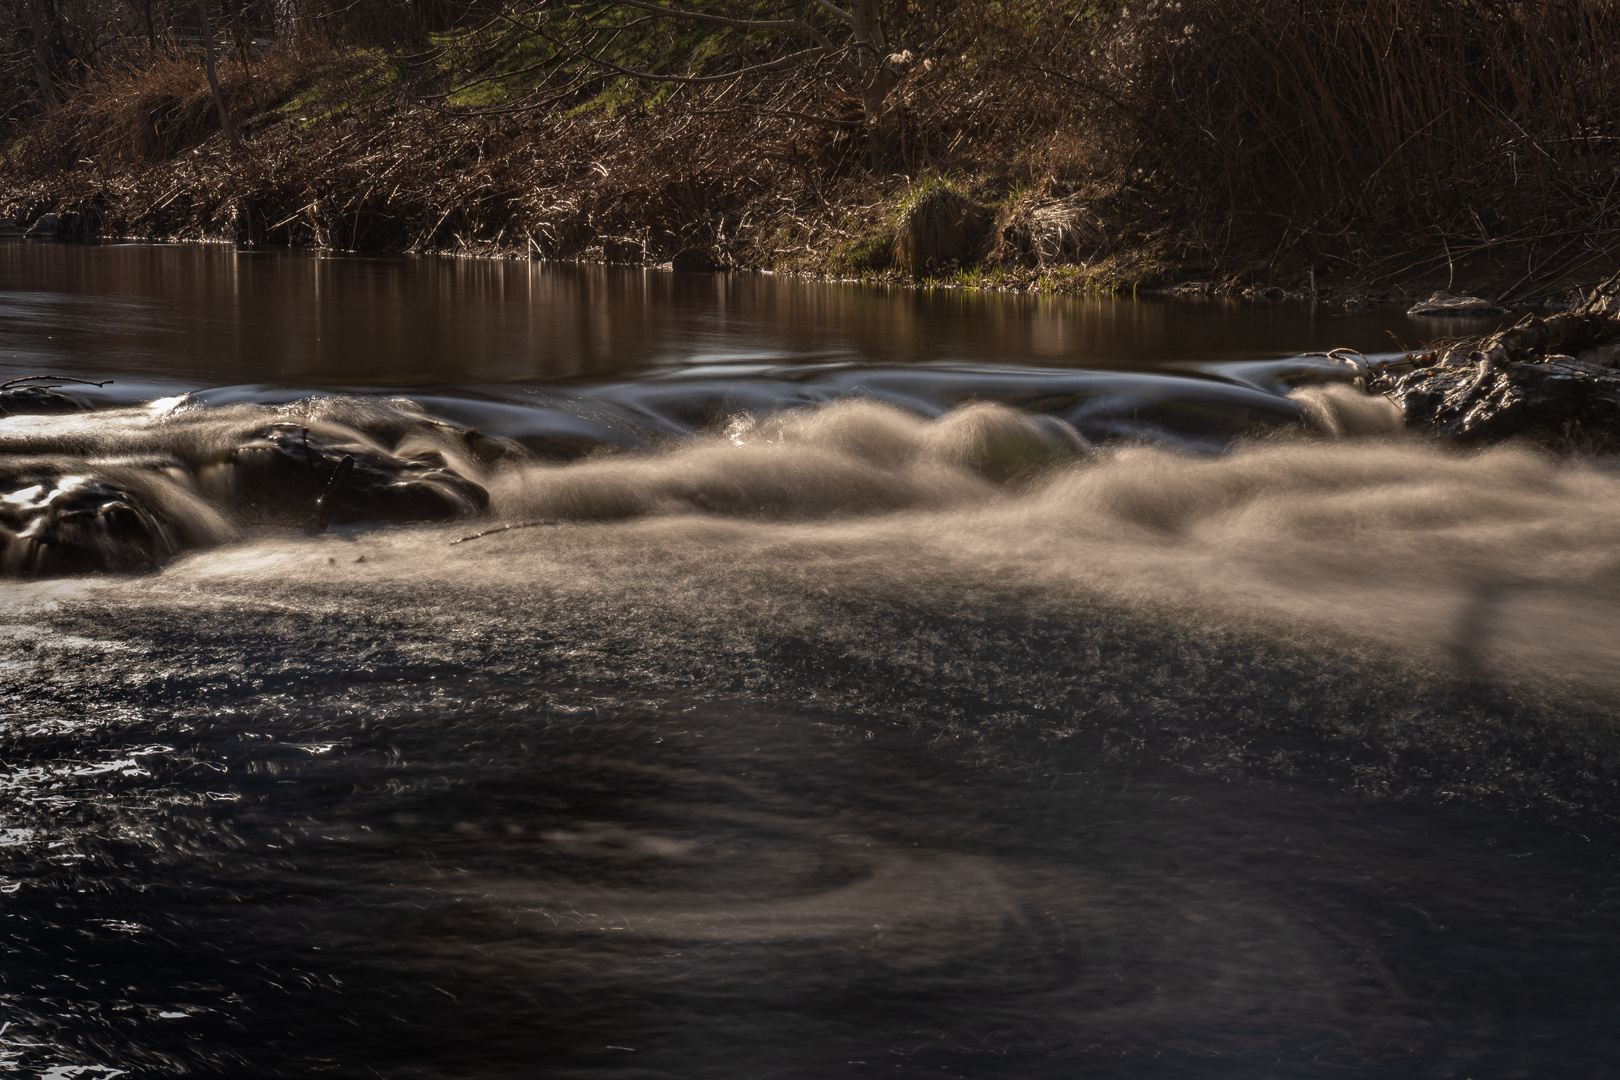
x: 1553, y: 380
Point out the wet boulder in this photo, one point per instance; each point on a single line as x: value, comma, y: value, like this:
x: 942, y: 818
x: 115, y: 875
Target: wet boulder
x: 1550, y: 399
x: 282, y: 469
x: 66, y: 521
x: 1550, y: 380
x: 35, y: 401
x: 78, y: 225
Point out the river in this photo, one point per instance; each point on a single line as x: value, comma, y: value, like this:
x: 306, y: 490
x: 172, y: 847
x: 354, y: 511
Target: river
x: 877, y: 683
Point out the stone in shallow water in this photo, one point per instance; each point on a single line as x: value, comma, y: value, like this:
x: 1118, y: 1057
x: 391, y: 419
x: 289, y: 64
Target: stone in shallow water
x: 1553, y: 399
x: 55, y: 522
x: 35, y: 401
x: 280, y: 473
x: 1448, y: 306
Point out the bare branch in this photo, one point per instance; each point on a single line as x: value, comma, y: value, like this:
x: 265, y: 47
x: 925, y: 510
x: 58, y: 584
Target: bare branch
x: 828, y: 5
x: 746, y: 24
x: 425, y: 99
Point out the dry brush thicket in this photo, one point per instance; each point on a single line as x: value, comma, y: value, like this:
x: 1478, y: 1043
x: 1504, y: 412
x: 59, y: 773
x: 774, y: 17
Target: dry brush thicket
x: 1019, y: 141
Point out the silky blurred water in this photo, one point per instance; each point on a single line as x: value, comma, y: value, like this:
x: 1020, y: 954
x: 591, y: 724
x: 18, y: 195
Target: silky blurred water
x: 822, y: 719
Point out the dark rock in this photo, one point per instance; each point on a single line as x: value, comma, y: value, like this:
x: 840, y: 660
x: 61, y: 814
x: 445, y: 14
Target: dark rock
x: 9, y: 230
x: 35, y: 401
x: 1606, y: 355
x: 281, y: 473
x: 695, y: 259
x: 75, y: 226
x: 1519, y: 382
x: 79, y: 226
x: 1551, y: 400
x: 55, y: 521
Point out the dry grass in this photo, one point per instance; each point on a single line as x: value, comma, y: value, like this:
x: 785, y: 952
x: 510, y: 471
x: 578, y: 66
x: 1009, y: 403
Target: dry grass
x: 1369, y: 133
x: 132, y: 115
x: 1039, y: 231
x: 939, y: 228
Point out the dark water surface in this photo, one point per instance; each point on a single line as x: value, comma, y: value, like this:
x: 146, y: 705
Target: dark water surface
x: 211, y: 316
x: 804, y: 740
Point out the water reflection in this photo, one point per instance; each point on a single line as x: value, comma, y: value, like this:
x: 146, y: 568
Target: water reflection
x: 212, y: 315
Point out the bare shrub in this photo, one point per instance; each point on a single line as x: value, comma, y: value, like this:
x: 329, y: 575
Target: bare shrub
x: 1335, y: 115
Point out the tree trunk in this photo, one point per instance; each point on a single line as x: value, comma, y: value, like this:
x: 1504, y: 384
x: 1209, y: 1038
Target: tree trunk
x: 877, y: 79
x: 149, y: 20
x: 287, y: 28
x: 213, y: 75
x: 42, y: 65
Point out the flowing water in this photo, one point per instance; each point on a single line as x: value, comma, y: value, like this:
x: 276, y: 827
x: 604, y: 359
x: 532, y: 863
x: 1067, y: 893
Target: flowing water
x: 873, y: 684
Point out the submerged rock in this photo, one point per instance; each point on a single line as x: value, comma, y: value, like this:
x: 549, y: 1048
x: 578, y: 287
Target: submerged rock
x: 1553, y: 380
x: 59, y: 519
x: 35, y: 401
x: 284, y: 468
x: 127, y: 489
x: 1001, y: 443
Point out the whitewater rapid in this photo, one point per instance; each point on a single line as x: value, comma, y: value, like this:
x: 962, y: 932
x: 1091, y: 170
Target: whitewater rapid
x: 803, y: 738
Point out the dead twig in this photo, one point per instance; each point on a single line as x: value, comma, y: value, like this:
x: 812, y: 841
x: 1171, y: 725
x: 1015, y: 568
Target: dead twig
x: 46, y: 382
x: 505, y: 528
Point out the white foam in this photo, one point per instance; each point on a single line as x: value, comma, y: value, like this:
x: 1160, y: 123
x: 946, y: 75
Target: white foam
x: 1342, y: 411
x: 1376, y: 544
x: 850, y: 457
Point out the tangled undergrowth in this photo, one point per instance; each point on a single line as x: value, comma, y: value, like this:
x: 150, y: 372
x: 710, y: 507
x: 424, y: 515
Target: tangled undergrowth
x: 1325, y: 146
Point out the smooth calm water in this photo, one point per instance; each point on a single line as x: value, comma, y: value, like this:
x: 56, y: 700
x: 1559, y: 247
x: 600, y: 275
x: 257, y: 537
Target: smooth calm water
x: 211, y: 316
x: 831, y: 716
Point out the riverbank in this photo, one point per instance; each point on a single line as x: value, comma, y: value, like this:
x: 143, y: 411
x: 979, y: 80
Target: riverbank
x: 1189, y: 150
